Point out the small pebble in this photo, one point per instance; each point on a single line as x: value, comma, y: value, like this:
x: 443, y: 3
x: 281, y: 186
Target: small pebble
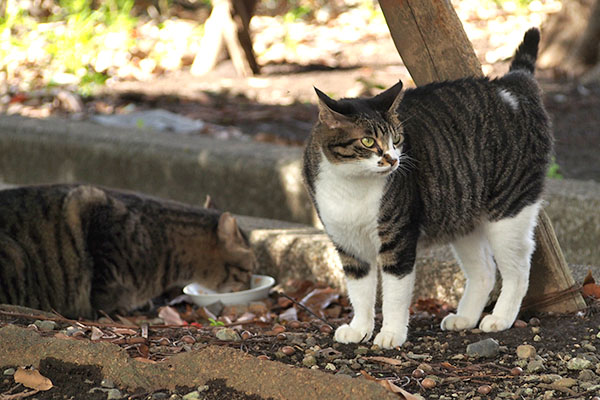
x: 189, y: 339
x: 246, y: 335
x: 537, y: 338
x: 263, y: 357
x: 484, y: 348
x: 534, y: 321
x: 45, y: 325
x: 278, y: 328
x: 325, y: 328
x: 159, y: 396
x: 228, y: 334
x: 535, y: 365
x: 565, y: 382
x: 281, y: 336
x: 113, y: 394
x: 330, y: 367
x: 361, y: 350
x: 577, y: 363
x: 587, y: 375
x: 309, y: 361
x: 164, y: 342
x: 516, y: 371
x: 418, y: 373
x: 9, y: 372
x: 484, y: 389
x: 428, y: 383
x: 195, y: 395
x: 520, y: 324
x: 107, y: 383
x: 288, y: 350
x: 536, y: 329
x: 526, y: 351
x: 310, y: 341
x: 294, y: 324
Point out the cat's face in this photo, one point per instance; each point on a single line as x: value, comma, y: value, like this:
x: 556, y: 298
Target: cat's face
x: 236, y: 256
x: 361, y: 137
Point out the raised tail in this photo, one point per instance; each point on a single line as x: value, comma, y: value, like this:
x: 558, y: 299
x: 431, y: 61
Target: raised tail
x: 526, y: 53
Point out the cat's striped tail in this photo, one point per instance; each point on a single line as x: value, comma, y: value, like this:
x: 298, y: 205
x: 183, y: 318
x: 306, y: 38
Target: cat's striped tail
x: 526, y: 53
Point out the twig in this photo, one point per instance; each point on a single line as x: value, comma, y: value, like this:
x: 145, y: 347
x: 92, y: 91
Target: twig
x: 16, y: 396
x: 308, y: 310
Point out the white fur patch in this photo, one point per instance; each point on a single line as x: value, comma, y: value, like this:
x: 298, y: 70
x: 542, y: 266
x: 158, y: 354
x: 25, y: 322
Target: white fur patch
x: 509, y: 98
x: 349, y: 201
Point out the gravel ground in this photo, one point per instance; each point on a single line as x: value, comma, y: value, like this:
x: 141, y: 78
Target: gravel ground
x: 541, y: 357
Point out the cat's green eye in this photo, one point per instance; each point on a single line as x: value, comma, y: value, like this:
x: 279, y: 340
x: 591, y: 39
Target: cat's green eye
x: 397, y: 139
x: 367, y: 142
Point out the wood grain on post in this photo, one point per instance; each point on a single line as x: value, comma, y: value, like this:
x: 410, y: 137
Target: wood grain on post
x: 434, y: 47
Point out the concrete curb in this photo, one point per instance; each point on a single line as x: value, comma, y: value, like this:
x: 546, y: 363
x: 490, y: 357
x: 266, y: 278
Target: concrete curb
x: 249, y: 178
x: 19, y: 346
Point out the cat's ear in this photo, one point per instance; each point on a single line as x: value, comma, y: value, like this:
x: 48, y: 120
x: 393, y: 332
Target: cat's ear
x: 396, y: 94
x: 228, y: 231
x: 327, y: 111
x: 387, y: 99
x: 209, y: 203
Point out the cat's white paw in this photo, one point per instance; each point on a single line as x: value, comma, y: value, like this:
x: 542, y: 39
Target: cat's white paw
x: 493, y: 323
x: 453, y: 322
x: 389, y: 339
x: 349, y: 334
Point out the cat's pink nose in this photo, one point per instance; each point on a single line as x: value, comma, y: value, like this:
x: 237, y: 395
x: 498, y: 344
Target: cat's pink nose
x: 390, y: 160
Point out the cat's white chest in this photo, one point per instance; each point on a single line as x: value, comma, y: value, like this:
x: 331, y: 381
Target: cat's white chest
x: 349, y: 208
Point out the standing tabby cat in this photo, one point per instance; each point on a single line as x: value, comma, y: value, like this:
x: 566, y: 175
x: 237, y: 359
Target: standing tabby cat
x: 78, y: 249
x: 461, y: 162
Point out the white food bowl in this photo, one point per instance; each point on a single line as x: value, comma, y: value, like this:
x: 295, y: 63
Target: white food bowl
x: 259, y: 289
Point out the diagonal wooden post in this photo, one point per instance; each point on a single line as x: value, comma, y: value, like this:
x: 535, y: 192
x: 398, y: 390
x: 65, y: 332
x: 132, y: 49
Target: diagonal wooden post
x: 434, y: 47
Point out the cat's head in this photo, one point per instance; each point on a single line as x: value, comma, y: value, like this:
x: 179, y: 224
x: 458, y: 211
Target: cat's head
x: 363, y: 135
x: 235, y: 255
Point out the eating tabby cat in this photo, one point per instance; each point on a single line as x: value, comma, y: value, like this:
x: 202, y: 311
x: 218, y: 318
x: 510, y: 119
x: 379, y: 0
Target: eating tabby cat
x: 460, y: 162
x: 77, y: 249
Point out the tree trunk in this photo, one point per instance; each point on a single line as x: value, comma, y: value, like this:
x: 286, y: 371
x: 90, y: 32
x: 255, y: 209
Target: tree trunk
x: 229, y: 25
x: 433, y: 45
x: 571, y: 39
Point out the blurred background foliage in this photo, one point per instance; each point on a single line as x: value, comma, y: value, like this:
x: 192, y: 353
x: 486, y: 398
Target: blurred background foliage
x: 81, y: 44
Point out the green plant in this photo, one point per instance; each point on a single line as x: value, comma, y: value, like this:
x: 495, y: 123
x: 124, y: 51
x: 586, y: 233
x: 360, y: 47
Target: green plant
x: 214, y: 322
x: 554, y: 170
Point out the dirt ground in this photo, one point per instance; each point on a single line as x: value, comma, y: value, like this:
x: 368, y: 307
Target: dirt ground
x: 432, y: 363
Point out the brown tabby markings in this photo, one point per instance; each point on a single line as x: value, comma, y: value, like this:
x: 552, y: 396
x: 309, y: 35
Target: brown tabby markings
x: 78, y: 249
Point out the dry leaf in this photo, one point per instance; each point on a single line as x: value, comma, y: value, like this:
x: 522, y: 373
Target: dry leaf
x: 589, y: 278
x: 170, y: 316
x: 389, y: 385
x: 320, y: 299
x: 124, y: 331
x: 32, y: 379
x: 291, y: 314
x: 592, y: 290
x: 96, y: 333
x: 144, y: 360
x: 385, y: 360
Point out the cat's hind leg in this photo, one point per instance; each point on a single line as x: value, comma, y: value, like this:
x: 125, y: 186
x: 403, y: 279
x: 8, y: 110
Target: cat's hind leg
x: 361, y: 282
x: 512, y: 243
x: 475, y: 259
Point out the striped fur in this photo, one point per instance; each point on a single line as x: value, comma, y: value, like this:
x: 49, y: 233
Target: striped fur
x: 77, y: 249
x: 471, y: 153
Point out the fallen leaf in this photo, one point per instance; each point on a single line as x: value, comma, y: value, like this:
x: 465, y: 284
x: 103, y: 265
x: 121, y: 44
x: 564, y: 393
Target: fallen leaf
x: 291, y: 314
x: 391, y: 386
x: 170, y: 316
x: 144, y: 360
x: 32, y: 379
x: 96, y: 333
x: 124, y: 331
x: 592, y: 290
x: 320, y: 299
x: 384, y: 360
x: 589, y: 278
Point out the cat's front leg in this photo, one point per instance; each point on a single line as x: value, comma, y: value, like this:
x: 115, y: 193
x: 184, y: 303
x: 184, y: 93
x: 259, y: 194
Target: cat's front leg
x: 361, y: 282
x: 397, y: 295
x: 396, y: 260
